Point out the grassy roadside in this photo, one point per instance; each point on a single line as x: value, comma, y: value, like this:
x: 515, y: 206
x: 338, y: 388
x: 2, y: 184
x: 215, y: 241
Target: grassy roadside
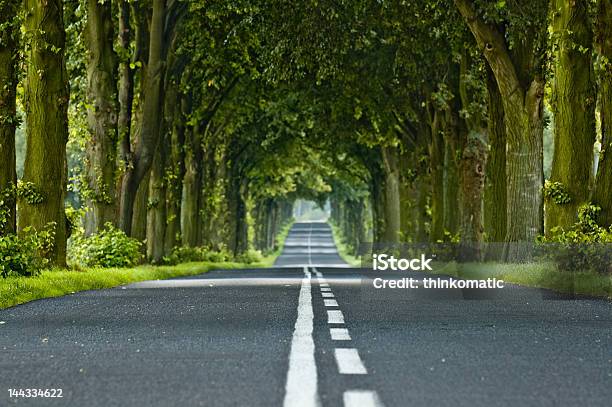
x: 56, y: 282
x: 538, y: 275
x: 343, y: 249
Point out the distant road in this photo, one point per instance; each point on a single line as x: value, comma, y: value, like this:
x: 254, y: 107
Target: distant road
x: 308, y: 332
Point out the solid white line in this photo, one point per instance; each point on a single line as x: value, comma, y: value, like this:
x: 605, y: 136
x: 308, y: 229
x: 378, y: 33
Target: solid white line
x: 339, y: 334
x: 361, y: 398
x: 330, y: 303
x: 349, y: 362
x: 327, y: 295
x: 335, y: 317
x: 325, y: 289
x: 301, y: 387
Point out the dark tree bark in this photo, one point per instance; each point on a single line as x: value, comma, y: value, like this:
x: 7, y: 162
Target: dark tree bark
x: 602, y: 193
x: 8, y: 115
x: 574, y: 111
x: 125, y: 83
x: 392, y: 195
x: 146, y: 145
x: 101, y: 117
x: 495, y: 202
x: 46, y: 106
x: 192, y: 183
x: 156, y: 207
x: 521, y: 84
x: 176, y: 170
x: 436, y: 160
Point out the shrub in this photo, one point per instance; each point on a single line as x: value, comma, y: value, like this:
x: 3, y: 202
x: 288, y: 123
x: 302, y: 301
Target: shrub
x: 108, y: 248
x: 250, y: 256
x: 585, y: 246
x: 24, y: 256
x: 195, y: 254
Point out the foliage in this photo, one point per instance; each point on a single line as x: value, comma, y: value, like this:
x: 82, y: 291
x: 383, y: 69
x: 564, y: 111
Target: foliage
x: 249, y: 257
x: 195, y: 254
x: 585, y: 246
x: 557, y: 192
x: 108, y: 248
x: 24, y: 255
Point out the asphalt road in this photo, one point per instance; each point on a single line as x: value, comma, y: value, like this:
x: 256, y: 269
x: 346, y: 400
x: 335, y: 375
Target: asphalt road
x: 309, y: 332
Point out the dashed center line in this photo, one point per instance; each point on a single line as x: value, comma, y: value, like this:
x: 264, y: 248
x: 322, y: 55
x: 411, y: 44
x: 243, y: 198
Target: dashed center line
x: 335, y: 317
x: 330, y: 303
x: 339, y: 334
x: 361, y: 398
x: 349, y: 361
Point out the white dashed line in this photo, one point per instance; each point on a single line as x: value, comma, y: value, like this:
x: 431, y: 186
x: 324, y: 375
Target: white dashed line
x: 324, y: 285
x: 339, y: 334
x: 349, y: 362
x: 361, y: 398
x: 325, y: 289
x: 335, y: 317
x: 301, y: 387
x: 330, y: 303
x: 327, y: 295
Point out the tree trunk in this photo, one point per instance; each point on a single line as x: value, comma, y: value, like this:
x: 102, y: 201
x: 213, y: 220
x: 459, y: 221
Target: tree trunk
x: 139, y: 220
x: 436, y: 157
x: 176, y: 173
x: 523, y: 104
x: 192, y: 183
x: 495, y: 206
x: 452, y: 145
x: 574, y: 112
x: 46, y: 106
x: 102, y: 111
x: 473, y: 160
x: 8, y: 114
x: 602, y: 193
x: 144, y: 149
x: 392, y: 195
x: 125, y: 84
x: 238, y: 241
x: 156, y: 208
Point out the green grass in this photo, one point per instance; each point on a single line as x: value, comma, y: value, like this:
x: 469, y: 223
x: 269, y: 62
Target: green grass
x: 343, y: 249
x: 58, y: 282
x: 55, y: 283
x: 542, y: 275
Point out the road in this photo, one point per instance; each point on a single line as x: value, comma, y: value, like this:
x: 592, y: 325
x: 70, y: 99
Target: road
x: 308, y: 332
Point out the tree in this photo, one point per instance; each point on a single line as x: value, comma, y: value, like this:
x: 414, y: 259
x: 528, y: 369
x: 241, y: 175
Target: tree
x: 602, y: 193
x: 46, y: 104
x: 102, y: 110
x: 574, y: 113
x: 513, y: 48
x: 9, y: 35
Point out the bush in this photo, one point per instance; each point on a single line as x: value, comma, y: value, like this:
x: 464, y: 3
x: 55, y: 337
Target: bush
x: 24, y: 256
x: 108, y: 248
x: 250, y: 256
x: 585, y: 246
x: 196, y: 254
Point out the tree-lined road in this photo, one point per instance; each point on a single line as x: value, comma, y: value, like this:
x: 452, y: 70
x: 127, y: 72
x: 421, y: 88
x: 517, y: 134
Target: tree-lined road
x: 304, y: 333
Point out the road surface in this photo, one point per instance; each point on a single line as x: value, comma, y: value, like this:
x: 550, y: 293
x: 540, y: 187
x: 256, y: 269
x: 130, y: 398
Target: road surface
x: 307, y: 332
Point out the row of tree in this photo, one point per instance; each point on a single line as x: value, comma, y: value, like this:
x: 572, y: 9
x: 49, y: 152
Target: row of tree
x: 199, y: 123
